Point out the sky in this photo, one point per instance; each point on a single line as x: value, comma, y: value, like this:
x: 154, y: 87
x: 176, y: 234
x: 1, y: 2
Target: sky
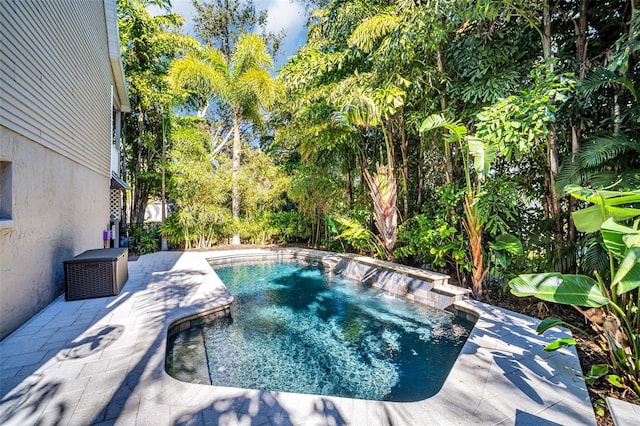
x: 282, y: 14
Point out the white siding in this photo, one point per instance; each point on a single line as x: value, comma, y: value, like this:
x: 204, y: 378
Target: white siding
x: 56, y: 77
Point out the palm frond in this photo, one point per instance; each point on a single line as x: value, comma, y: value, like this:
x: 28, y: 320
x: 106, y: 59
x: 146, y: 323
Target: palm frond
x: 602, y: 77
x: 195, y: 78
x: 572, y: 172
x: 629, y: 179
x: 601, y: 162
x: 604, y: 148
x: 593, y: 256
x: 215, y: 59
x: 371, y: 30
x: 256, y: 84
x: 250, y: 52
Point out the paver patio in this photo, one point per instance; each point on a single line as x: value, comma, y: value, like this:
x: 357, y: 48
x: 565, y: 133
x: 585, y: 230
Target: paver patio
x: 101, y: 361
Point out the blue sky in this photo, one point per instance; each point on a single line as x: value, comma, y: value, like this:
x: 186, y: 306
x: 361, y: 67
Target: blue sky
x: 283, y: 14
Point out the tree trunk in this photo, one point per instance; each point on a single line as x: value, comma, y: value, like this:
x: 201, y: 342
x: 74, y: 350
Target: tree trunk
x: 552, y: 139
x: 404, y: 148
x: 235, y: 184
x: 473, y: 226
x: 420, y: 176
x: 581, y: 56
x: 136, y: 216
x: 616, y: 113
x: 349, y: 180
x: 448, y: 159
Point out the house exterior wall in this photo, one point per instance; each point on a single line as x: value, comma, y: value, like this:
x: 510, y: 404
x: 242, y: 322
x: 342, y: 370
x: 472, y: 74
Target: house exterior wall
x: 60, y: 209
x: 58, y: 88
x: 56, y: 77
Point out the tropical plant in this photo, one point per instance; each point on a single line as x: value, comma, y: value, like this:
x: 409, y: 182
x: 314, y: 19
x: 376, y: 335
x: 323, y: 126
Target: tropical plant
x: 242, y: 83
x: 290, y: 226
x: 431, y: 242
x: 149, y: 44
x: 613, y: 295
x: 505, y: 247
x: 202, y: 215
x: 362, y: 240
x: 145, y: 238
x: 483, y: 155
x: 362, y: 110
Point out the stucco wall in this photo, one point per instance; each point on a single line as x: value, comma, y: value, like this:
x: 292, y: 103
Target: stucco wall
x: 59, y: 210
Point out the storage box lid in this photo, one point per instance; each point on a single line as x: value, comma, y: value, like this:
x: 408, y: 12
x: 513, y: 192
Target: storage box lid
x: 98, y: 255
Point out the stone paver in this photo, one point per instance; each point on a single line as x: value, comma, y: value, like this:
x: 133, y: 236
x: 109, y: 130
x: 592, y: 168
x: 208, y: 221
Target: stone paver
x: 623, y: 413
x: 101, y: 361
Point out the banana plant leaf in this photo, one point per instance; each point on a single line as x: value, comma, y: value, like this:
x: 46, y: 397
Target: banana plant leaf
x: 560, y: 343
x: 590, y: 219
x: 615, y: 237
x: 560, y: 288
x: 611, y: 198
x: 484, y: 154
x: 627, y: 277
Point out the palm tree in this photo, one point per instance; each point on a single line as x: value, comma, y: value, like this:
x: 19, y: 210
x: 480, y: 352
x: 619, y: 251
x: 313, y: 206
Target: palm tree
x: 243, y: 84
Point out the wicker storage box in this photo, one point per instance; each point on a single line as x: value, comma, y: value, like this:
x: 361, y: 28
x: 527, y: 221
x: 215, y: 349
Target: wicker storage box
x: 96, y: 273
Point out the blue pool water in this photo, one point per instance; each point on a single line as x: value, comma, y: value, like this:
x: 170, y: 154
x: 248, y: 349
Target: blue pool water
x: 295, y: 328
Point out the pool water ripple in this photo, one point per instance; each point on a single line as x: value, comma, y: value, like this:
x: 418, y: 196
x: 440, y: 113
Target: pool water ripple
x: 296, y: 328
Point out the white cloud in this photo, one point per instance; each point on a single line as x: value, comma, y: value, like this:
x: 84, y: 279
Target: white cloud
x: 289, y: 16
x: 283, y: 14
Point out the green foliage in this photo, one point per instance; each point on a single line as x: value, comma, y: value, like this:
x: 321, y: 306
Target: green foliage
x: 423, y: 240
x: 145, y: 238
x: 560, y: 343
x: 148, y: 45
x: 241, y: 82
x: 190, y: 228
x: 499, y: 206
x: 262, y: 184
x: 607, y: 204
x: 601, y: 370
x: 316, y: 194
x: 613, y: 293
x: 290, y: 226
x: 357, y: 237
x: 202, y: 213
x: 504, y: 247
x: 560, y: 288
x: 200, y: 184
x: 485, y: 76
x: 515, y: 124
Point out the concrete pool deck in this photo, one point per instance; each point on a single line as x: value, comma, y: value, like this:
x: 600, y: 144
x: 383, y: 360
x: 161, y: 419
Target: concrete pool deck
x: 101, y: 361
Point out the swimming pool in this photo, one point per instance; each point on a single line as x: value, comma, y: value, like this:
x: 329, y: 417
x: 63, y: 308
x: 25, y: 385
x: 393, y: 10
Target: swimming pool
x: 295, y: 327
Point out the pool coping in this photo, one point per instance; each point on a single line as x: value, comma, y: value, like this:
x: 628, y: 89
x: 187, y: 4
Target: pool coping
x: 102, y: 360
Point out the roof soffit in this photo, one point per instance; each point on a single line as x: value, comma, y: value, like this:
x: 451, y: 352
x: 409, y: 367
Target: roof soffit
x: 113, y: 37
